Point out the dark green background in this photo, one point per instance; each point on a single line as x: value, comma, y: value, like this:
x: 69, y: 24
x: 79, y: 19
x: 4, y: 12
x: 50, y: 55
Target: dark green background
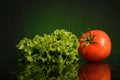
x: 26, y: 18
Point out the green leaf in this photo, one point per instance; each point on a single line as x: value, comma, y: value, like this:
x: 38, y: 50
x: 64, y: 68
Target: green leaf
x: 50, y: 47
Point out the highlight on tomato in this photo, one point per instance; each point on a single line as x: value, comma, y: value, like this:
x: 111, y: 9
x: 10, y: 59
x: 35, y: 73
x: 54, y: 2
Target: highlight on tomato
x: 95, y: 45
x: 94, y: 71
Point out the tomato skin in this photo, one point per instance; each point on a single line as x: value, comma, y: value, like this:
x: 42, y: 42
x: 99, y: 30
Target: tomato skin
x: 97, y: 51
x: 94, y: 71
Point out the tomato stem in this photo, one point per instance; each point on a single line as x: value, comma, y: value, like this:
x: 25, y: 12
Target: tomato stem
x: 88, y: 39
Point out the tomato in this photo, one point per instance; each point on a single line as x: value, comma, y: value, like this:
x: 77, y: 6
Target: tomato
x: 95, y: 45
x: 94, y: 71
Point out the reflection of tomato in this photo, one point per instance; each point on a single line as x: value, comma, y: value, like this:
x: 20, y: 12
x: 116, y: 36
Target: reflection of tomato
x: 94, y: 71
x: 95, y: 45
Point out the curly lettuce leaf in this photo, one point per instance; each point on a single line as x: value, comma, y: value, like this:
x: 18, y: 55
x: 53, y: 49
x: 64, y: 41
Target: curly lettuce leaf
x: 60, y: 46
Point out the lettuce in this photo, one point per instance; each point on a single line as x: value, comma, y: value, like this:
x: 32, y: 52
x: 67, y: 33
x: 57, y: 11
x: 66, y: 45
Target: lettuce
x: 60, y: 46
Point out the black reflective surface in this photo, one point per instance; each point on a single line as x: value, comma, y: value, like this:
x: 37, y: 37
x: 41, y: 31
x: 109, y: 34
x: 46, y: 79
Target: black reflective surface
x: 47, y: 72
x: 106, y: 70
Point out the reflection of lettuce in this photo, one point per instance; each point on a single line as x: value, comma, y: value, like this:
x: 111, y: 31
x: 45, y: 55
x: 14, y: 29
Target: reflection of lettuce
x: 47, y: 72
x: 59, y: 47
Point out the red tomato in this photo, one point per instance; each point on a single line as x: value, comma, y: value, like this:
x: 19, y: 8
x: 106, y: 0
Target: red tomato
x: 95, y: 45
x: 94, y: 71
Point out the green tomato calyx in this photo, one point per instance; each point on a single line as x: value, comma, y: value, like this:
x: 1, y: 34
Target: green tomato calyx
x: 88, y: 39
